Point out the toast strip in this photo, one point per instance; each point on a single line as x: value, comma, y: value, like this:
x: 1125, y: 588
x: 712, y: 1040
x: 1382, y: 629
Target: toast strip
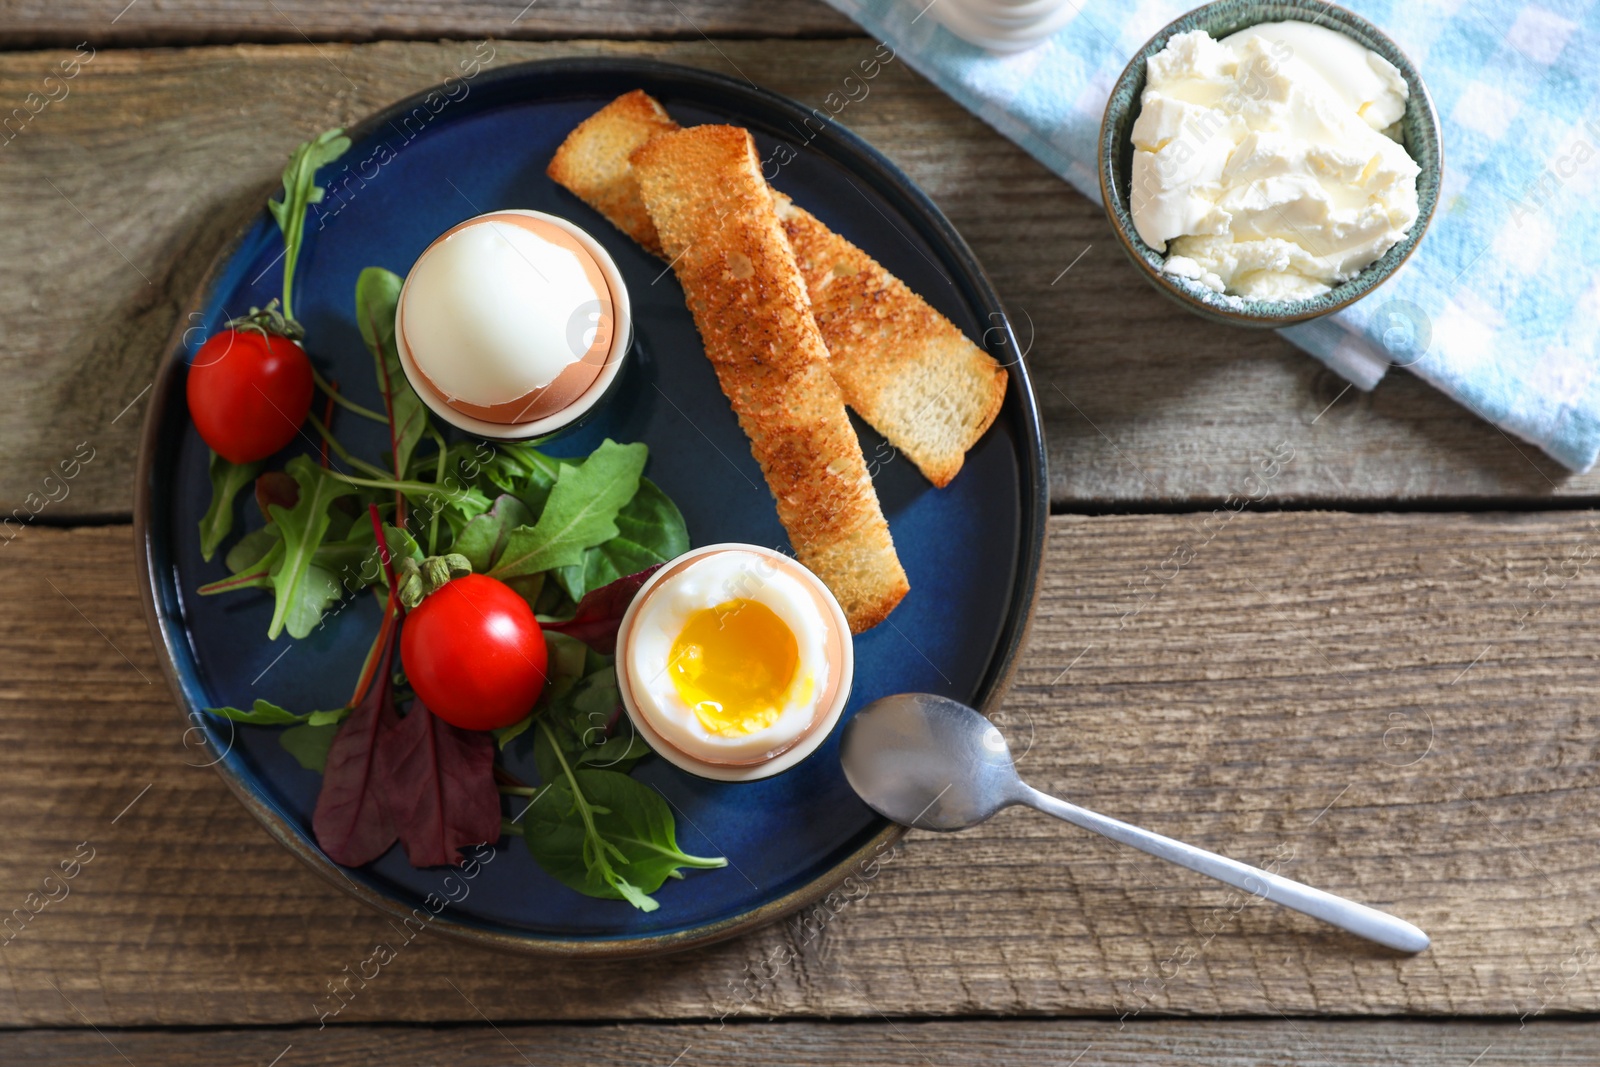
x: 905, y: 368
x: 715, y: 218
x: 593, y: 162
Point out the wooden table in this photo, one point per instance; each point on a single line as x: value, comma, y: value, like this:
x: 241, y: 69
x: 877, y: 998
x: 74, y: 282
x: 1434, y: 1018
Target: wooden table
x: 1380, y: 676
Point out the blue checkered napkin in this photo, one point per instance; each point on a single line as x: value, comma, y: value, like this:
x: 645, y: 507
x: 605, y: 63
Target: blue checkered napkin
x: 1500, y: 305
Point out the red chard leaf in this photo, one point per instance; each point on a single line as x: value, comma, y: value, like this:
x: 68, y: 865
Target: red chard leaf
x: 439, y: 782
x: 599, y: 613
x: 353, y: 822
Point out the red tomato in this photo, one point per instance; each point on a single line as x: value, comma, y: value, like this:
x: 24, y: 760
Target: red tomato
x: 249, y: 393
x: 474, y: 653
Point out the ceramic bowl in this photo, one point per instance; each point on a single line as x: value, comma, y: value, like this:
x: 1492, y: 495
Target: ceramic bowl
x: 1419, y: 132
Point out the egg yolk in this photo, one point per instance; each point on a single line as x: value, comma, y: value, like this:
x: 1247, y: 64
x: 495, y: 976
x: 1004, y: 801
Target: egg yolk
x: 733, y: 664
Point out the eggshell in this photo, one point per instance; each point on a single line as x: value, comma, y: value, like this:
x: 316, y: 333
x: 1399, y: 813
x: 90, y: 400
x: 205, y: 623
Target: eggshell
x: 514, y: 346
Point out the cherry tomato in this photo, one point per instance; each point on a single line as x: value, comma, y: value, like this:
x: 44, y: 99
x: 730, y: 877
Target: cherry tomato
x: 248, y: 393
x: 474, y: 653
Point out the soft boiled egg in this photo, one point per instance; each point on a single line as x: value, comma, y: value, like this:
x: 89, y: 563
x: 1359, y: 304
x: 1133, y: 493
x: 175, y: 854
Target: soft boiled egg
x: 510, y: 319
x: 734, y: 662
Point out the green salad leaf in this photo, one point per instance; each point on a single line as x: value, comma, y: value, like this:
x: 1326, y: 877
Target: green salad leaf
x: 262, y: 713
x: 226, y: 481
x: 483, y: 538
x: 595, y: 704
x: 650, y: 530
x: 299, y: 192
x: 266, y: 713
x: 303, y: 590
x: 251, y: 560
x: 601, y: 832
x: 377, y: 296
x: 251, y: 550
x: 518, y: 468
x: 308, y: 743
x: 581, y: 511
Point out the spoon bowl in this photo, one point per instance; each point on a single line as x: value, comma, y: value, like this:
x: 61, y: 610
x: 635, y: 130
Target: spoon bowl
x: 929, y: 762
x: 935, y: 764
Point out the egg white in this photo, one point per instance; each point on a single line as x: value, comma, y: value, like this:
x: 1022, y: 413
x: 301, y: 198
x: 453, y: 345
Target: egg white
x: 706, y: 583
x: 489, y: 312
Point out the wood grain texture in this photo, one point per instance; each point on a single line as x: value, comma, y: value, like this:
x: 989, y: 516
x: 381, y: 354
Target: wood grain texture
x: 63, y: 23
x: 113, y: 200
x: 1393, y: 707
x: 1011, y: 1043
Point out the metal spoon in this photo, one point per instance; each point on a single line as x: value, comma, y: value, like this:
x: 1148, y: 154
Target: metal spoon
x: 934, y: 763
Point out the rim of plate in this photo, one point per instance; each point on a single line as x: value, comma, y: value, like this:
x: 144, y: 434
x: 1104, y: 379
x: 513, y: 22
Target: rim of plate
x: 571, y: 77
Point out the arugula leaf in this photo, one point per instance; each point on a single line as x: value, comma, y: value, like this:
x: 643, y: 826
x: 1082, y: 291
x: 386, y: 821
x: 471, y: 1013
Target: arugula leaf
x: 400, y: 543
x: 461, y: 506
x: 308, y: 743
x: 581, y: 512
x: 257, y: 577
x: 303, y: 590
x: 309, y: 734
x: 377, y: 294
x: 263, y: 713
x: 266, y: 713
x: 252, y: 549
x: 525, y: 472
x: 300, y: 191
x: 342, y: 518
x: 226, y: 481
x: 483, y: 537
x: 650, y: 530
x: 602, y: 833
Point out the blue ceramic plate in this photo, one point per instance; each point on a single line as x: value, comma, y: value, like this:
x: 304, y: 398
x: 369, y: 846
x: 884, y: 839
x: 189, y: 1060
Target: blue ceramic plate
x: 972, y: 550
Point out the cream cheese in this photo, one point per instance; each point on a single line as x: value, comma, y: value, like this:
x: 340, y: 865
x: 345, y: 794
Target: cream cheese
x: 1265, y: 165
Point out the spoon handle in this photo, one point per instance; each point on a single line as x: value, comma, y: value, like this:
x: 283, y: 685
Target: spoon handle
x: 1358, y: 919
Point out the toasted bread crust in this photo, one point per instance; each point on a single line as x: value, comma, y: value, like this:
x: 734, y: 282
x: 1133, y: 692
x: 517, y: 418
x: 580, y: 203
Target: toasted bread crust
x: 715, y: 217
x: 905, y: 368
x: 593, y: 162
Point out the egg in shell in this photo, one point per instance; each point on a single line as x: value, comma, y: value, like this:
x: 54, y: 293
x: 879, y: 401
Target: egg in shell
x: 508, y: 319
x: 735, y: 661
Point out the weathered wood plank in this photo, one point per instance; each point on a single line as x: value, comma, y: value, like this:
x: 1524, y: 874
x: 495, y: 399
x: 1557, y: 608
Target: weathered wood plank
x: 1398, y: 708
x: 63, y: 23
x: 113, y: 199
x: 1011, y: 1043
